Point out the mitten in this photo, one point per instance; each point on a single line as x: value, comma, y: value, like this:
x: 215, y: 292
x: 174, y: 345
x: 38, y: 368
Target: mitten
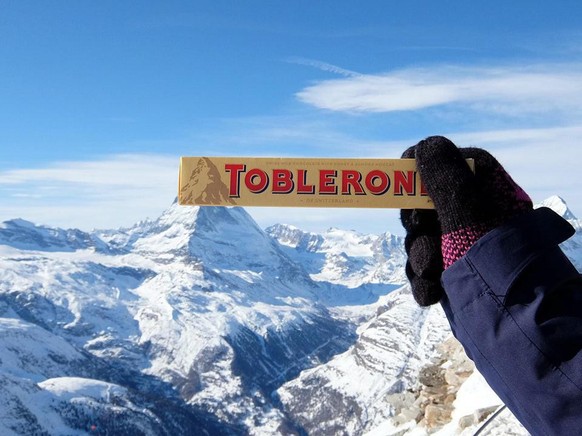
x: 424, y: 264
x: 467, y: 205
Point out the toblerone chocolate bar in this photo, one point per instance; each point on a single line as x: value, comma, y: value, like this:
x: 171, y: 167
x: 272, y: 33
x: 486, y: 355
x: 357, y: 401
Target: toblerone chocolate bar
x: 301, y: 182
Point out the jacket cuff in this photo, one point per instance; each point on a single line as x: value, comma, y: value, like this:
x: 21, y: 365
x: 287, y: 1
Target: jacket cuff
x: 500, y: 255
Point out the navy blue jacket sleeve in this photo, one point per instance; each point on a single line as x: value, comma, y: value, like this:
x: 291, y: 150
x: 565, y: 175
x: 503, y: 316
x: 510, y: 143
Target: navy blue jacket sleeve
x: 515, y: 303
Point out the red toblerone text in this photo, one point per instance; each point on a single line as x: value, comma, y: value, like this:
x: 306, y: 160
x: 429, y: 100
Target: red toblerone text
x: 329, y: 181
x: 301, y: 182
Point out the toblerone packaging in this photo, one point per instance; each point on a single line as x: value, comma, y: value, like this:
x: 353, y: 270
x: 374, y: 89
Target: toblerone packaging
x: 301, y: 182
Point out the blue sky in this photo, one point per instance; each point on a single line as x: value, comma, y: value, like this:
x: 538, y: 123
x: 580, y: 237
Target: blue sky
x: 98, y: 99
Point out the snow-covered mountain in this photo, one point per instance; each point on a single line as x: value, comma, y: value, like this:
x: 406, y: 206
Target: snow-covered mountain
x: 573, y: 246
x: 344, y: 257
x: 200, y: 301
x: 358, y: 389
x: 558, y: 205
x: 200, y: 322
x: 22, y: 234
x: 380, y: 385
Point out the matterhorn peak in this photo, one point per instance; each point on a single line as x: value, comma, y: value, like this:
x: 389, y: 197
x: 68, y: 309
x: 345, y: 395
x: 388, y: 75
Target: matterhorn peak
x: 191, y: 230
x: 201, y: 218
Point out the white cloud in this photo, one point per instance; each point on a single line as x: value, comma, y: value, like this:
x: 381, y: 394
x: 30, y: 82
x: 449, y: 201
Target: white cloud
x: 544, y: 162
x: 118, y: 170
x: 114, y: 191
x: 544, y: 157
x: 120, y: 190
x: 508, y: 90
x: 323, y: 66
x: 123, y: 189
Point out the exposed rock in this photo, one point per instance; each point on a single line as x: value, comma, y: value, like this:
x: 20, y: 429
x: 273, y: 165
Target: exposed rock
x: 439, y: 384
x: 477, y: 417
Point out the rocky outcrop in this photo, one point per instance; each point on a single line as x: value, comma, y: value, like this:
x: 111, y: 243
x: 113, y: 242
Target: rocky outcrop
x: 439, y: 383
x: 453, y: 398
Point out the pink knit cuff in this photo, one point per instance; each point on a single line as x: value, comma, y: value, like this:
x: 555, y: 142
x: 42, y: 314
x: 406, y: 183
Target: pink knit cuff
x: 455, y: 244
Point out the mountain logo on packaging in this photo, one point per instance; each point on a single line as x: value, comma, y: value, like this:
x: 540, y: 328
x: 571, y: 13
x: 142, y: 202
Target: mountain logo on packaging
x: 204, y: 186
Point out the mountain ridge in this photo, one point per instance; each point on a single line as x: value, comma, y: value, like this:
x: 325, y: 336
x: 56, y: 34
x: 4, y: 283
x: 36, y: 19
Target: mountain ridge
x: 202, y: 320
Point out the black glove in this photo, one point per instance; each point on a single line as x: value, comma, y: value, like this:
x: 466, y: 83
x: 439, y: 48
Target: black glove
x: 467, y: 206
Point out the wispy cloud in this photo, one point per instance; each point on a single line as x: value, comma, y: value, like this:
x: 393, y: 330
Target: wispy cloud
x: 545, y: 161
x: 117, y: 170
x: 505, y: 89
x: 114, y: 191
x: 324, y: 66
x: 120, y: 190
x: 308, y: 134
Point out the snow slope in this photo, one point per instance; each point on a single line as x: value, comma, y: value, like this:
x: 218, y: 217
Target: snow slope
x: 201, y: 300
x: 200, y: 321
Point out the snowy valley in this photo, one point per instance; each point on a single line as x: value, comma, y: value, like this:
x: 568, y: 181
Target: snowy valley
x: 200, y: 322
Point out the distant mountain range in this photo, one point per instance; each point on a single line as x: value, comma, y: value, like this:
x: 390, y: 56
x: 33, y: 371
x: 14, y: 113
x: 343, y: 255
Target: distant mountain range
x: 200, y: 322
